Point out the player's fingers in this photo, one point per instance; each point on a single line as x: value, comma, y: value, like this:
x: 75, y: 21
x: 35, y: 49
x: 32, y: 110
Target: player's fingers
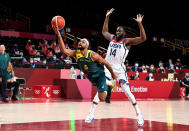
x: 138, y: 15
x: 57, y: 26
x: 141, y: 15
x: 112, y: 9
x: 53, y: 27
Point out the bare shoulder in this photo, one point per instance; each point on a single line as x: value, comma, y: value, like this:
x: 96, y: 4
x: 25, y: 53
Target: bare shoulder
x: 95, y: 56
x: 127, y: 42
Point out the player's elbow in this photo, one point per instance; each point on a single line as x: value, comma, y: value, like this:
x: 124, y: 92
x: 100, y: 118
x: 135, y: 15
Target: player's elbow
x: 143, y: 38
x: 102, y: 98
x: 63, y: 50
x: 104, y: 32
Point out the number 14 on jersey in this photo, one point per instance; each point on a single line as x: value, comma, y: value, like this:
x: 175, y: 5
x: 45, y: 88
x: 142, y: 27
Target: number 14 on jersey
x: 113, y: 52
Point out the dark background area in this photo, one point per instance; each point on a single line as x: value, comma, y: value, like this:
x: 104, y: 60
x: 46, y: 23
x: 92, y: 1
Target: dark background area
x: 166, y: 20
x: 160, y: 18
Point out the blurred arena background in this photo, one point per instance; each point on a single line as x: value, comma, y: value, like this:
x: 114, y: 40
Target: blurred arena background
x: 163, y: 21
x: 25, y: 30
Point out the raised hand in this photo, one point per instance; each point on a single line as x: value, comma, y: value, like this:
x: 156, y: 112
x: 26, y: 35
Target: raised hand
x: 139, y: 18
x: 56, y: 30
x: 109, y: 12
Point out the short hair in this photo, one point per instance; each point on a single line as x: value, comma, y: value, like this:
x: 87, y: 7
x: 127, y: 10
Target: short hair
x: 88, y: 41
x: 124, y: 28
x: 89, y: 47
x: 2, y: 46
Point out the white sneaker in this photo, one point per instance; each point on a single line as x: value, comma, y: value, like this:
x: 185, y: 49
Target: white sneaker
x: 89, y: 119
x: 140, y: 120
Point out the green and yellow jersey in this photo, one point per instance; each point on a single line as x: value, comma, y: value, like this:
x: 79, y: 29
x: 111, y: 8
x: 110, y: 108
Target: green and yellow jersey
x: 93, y: 70
x: 87, y: 64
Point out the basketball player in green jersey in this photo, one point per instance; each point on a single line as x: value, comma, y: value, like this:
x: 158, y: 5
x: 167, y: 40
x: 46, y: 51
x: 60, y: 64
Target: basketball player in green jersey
x: 91, y: 64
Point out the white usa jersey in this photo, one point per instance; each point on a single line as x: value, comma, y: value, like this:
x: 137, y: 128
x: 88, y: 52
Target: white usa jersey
x: 117, y: 52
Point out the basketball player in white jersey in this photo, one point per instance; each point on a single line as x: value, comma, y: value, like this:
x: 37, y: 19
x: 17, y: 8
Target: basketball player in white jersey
x: 118, y: 50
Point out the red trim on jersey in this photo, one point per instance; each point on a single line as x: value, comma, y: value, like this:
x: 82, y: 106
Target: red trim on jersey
x: 120, y: 42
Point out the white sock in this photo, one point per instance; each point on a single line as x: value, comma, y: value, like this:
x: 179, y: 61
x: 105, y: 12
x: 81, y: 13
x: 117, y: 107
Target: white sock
x: 96, y: 98
x: 92, y: 110
x: 137, y: 109
x: 131, y: 97
x: 94, y: 104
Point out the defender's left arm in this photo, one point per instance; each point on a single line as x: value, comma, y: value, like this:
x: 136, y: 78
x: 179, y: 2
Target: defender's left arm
x: 142, y: 38
x: 99, y: 59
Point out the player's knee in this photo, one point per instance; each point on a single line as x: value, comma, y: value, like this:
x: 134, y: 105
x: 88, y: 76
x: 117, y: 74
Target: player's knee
x: 102, y: 96
x: 127, y: 91
x: 126, y: 88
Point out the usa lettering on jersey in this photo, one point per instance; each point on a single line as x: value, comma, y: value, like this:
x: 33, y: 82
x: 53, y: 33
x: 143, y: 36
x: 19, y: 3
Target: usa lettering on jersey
x: 117, y: 51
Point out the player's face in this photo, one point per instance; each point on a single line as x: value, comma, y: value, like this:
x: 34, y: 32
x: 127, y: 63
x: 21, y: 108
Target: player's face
x: 187, y: 75
x: 120, y: 32
x: 82, y: 45
x: 2, y: 49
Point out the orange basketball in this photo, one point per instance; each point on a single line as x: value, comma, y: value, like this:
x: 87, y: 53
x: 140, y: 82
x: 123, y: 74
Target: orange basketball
x: 58, y: 21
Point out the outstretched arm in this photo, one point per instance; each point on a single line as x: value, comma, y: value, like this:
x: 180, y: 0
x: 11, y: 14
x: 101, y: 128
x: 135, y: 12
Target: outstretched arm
x: 68, y: 52
x: 98, y: 58
x: 105, y: 32
x: 142, y: 38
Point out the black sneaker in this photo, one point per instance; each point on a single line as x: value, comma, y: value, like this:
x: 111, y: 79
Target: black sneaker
x: 14, y: 98
x: 107, y: 101
x: 5, y: 100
